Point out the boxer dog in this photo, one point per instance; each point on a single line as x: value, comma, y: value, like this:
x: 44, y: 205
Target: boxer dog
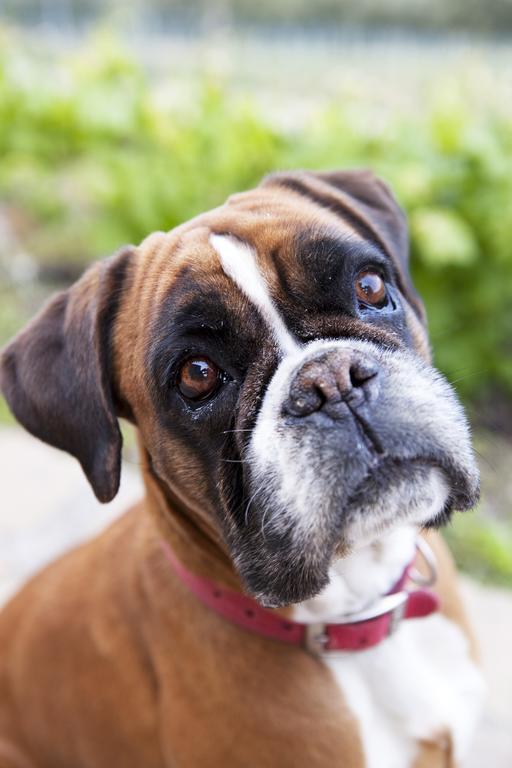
x: 256, y: 609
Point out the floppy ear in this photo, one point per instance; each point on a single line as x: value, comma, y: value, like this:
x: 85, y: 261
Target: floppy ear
x: 56, y: 374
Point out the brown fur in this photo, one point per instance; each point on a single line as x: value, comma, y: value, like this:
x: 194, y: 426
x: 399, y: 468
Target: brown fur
x: 141, y: 674
x: 106, y: 660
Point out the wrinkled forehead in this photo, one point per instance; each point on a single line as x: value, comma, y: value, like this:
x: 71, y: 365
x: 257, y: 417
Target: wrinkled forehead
x: 261, y: 247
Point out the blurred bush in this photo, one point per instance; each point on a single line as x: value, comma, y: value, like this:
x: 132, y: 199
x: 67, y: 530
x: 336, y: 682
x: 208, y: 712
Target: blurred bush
x: 96, y: 154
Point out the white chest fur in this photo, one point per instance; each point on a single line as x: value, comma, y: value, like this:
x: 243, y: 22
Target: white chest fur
x: 416, y: 685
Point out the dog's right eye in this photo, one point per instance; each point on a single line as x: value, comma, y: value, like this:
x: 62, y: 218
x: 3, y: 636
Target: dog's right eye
x: 198, y: 378
x: 371, y: 289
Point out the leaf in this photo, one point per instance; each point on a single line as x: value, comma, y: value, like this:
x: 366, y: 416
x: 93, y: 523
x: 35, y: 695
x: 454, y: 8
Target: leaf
x: 443, y: 238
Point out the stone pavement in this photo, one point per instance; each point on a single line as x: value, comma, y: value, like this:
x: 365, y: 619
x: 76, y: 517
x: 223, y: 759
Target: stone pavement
x: 46, y: 506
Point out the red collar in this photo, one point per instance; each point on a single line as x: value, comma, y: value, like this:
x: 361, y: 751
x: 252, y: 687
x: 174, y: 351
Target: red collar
x: 358, y: 631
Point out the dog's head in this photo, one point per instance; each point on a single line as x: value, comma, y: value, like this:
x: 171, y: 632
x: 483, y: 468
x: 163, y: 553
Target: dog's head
x: 274, y: 357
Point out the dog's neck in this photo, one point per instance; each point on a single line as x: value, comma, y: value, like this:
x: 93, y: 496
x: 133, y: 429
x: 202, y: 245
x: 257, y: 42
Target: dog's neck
x: 356, y: 580
x: 191, y: 534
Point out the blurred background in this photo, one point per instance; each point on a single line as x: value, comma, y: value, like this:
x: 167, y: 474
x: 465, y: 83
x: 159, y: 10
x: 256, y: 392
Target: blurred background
x: 120, y: 118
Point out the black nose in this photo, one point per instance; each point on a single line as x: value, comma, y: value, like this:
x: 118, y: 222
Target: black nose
x: 333, y: 382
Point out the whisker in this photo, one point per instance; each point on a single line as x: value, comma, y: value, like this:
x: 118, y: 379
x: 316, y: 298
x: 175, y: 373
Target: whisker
x: 246, y: 515
x: 263, y: 523
x: 229, y: 431
x: 493, y: 440
x: 467, y: 376
x: 484, y: 458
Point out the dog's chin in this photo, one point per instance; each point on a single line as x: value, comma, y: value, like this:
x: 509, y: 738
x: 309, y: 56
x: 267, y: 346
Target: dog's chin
x: 283, y: 569
x: 291, y: 562
x: 292, y: 585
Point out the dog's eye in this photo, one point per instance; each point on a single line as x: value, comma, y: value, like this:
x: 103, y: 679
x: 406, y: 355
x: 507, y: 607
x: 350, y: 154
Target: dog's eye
x: 371, y: 288
x: 198, y: 378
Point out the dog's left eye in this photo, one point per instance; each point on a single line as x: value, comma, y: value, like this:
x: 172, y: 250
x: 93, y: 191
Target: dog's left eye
x: 371, y: 289
x: 198, y: 378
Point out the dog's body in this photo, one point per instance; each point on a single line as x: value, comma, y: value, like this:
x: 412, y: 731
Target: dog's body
x: 122, y: 668
x: 106, y: 658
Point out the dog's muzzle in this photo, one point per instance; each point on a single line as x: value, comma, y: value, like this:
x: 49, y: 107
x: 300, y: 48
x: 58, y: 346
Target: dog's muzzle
x: 352, y: 439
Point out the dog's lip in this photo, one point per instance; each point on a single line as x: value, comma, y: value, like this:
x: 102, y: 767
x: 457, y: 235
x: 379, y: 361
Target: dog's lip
x: 379, y: 460
x: 462, y: 495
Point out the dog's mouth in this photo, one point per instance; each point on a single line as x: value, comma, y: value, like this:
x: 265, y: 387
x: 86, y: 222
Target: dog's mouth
x: 462, y: 492
x: 286, y: 549
x: 417, y: 491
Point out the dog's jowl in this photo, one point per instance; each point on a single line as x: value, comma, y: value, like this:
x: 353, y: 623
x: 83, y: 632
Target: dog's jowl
x: 280, y: 596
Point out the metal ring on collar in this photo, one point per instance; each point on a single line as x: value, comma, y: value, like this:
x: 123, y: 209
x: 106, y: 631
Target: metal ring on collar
x: 430, y: 561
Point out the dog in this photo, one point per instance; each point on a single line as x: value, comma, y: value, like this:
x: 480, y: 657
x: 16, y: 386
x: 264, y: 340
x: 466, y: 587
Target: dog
x: 259, y: 607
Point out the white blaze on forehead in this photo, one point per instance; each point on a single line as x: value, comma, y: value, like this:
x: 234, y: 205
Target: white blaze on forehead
x: 239, y: 262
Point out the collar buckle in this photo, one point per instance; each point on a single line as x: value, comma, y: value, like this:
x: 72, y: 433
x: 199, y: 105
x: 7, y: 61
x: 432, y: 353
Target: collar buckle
x: 316, y: 638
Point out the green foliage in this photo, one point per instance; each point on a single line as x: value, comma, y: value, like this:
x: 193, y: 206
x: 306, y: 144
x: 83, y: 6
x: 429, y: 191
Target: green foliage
x: 95, y: 153
x: 93, y: 159
x: 482, y: 547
